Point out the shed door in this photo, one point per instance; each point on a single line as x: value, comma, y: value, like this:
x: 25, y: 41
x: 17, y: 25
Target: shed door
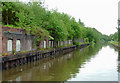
x: 9, y: 45
x: 44, y: 44
x: 18, y: 45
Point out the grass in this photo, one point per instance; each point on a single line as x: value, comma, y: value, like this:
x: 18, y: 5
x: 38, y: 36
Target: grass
x: 12, y: 26
x: 64, y: 45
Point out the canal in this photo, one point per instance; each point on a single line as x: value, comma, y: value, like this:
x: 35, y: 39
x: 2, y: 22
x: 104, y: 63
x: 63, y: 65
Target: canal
x: 93, y: 63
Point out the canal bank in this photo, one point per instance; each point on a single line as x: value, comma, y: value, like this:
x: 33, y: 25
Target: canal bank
x: 12, y: 61
x: 115, y: 44
x: 92, y: 63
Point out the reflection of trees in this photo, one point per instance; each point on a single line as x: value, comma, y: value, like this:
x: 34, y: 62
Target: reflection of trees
x: 61, y: 68
x: 119, y: 55
x: 113, y: 47
x: 117, y: 50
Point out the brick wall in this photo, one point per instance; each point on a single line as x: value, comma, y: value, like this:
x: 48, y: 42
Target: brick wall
x: 42, y: 43
x: 0, y: 39
x: 14, y: 34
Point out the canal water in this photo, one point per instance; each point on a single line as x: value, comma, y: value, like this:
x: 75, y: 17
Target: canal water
x: 93, y: 63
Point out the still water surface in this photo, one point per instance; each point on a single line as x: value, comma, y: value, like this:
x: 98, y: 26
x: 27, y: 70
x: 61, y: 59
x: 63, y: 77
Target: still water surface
x: 93, y: 63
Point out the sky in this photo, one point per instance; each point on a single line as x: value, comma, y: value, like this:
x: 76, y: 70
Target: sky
x: 99, y: 14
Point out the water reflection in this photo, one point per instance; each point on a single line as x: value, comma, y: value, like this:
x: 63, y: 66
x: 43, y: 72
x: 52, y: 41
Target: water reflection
x: 119, y: 65
x: 72, y: 66
x: 101, y: 68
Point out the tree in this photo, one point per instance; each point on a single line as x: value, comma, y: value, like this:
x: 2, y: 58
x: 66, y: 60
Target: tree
x: 81, y: 23
x: 77, y: 30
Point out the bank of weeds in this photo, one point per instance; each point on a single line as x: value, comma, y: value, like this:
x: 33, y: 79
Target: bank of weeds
x: 114, y: 43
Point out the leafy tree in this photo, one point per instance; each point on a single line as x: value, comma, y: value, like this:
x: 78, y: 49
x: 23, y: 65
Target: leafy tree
x: 77, y: 30
x: 114, y: 36
x: 56, y: 27
x: 67, y: 24
x: 81, y: 23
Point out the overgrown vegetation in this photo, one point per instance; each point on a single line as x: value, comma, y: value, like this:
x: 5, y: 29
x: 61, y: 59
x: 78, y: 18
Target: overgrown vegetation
x: 39, y: 21
x: 114, y: 39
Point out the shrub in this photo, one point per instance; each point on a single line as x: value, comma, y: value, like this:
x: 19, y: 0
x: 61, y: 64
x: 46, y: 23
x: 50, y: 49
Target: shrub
x: 4, y: 54
x: 14, y: 51
x: 76, y: 43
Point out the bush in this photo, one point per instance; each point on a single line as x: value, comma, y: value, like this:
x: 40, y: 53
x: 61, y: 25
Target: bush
x: 4, y: 54
x: 42, y: 49
x: 48, y: 47
x: 14, y: 51
x: 76, y: 43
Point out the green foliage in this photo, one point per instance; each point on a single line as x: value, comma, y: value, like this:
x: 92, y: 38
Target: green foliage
x: 86, y: 40
x: 114, y: 37
x: 5, y: 54
x: 118, y: 35
x: 51, y: 37
x: 75, y: 26
x: 56, y: 27
x: 92, y: 42
x: 67, y: 25
x: 39, y: 21
x: 9, y: 31
x: 14, y: 51
x: 11, y: 26
x: 106, y: 38
x: 40, y: 34
x: 94, y: 36
x: 81, y: 23
x: 65, y: 45
x: 76, y: 43
x: 114, y: 42
x: 42, y: 49
x: 48, y: 47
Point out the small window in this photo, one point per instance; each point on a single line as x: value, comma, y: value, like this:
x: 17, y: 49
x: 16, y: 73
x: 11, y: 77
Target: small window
x: 9, y: 45
x: 44, y: 43
x: 18, y: 45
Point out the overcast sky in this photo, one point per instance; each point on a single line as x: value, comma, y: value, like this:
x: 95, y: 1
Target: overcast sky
x: 100, y: 14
